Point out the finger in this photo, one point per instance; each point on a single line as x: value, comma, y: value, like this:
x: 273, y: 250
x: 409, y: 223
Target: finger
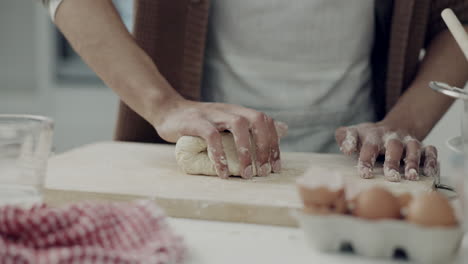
x: 412, y: 159
x: 275, y: 159
x: 431, y: 167
x: 393, y: 152
x: 239, y: 127
x: 281, y: 129
x: 367, y: 157
x: 262, y: 137
x: 207, y: 131
x: 347, y: 139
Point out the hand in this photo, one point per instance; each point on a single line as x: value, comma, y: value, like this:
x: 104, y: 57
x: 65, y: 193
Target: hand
x: 207, y: 120
x: 370, y: 140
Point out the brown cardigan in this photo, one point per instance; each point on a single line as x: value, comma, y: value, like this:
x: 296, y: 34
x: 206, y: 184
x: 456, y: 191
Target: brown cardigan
x: 173, y: 33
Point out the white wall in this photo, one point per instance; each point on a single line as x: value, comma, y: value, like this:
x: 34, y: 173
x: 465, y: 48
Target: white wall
x: 17, y: 38
x: 82, y: 114
x: 448, y: 127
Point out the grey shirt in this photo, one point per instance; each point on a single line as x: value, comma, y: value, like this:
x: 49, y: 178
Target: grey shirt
x: 305, y: 62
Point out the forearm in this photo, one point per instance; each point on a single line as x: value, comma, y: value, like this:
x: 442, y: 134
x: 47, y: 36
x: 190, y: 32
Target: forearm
x: 420, y: 108
x: 97, y: 33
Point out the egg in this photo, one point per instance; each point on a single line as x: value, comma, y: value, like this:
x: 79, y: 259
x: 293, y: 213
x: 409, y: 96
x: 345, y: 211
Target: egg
x: 431, y: 209
x: 322, y: 200
x: 405, y: 199
x: 376, y: 203
x: 322, y: 191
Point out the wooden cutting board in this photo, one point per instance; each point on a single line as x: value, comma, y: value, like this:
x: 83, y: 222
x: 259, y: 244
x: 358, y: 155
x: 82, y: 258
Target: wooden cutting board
x: 127, y: 171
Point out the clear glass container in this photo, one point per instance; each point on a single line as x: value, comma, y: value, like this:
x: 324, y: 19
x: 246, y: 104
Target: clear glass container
x: 25, y: 145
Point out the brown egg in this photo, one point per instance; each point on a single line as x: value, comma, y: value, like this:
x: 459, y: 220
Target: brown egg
x: 376, y: 203
x: 405, y: 199
x: 322, y: 200
x: 431, y: 209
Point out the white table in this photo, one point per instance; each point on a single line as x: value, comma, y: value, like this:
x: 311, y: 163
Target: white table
x: 222, y: 242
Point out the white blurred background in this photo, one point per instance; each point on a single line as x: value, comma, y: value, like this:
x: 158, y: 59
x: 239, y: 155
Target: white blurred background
x: 39, y: 74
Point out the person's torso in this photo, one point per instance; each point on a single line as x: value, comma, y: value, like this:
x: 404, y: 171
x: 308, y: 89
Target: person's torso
x: 306, y: 63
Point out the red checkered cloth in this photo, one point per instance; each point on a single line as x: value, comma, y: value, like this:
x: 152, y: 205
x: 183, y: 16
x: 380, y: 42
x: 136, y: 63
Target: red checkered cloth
x: 88, y: 233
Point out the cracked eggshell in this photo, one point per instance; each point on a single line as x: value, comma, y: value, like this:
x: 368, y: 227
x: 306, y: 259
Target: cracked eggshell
x: 322, y: 192
x: 322, y: 200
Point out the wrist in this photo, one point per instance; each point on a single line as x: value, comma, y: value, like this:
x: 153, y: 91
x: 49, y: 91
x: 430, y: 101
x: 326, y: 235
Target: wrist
x: 163, y: 105
x: 404, y: 125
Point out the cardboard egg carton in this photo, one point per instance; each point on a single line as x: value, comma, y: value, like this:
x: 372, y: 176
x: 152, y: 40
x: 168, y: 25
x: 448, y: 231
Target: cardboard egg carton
x: 383, y: 238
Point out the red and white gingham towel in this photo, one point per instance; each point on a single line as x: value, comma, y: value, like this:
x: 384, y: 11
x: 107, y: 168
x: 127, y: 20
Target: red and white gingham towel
x: 88, y: 233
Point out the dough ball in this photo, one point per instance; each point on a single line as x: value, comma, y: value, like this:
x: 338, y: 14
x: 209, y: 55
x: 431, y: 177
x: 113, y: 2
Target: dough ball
x: 192, y: 155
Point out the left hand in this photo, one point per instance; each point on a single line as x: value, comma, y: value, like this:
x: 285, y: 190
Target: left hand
x: 369, y: 140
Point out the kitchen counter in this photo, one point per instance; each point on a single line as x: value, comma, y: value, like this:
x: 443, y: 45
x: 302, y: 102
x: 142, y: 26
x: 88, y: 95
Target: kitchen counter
x: 127, y: 171
x: 223, y: 242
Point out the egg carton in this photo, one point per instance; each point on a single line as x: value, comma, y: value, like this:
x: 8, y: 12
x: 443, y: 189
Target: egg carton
x: 381, y: 239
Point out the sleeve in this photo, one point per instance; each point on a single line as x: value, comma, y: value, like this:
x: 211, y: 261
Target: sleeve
x: 436, y: 23
x: 52, y: 5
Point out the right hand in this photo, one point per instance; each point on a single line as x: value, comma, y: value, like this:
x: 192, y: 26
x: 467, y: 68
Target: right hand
x: 207, y: 120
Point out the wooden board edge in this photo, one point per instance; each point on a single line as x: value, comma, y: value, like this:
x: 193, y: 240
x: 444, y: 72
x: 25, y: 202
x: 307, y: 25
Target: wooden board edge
x: 183, y: 208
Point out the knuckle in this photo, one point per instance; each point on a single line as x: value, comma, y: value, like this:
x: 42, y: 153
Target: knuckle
x: 393, y: 143
x: 269, y: 120
x: 372, y: 138
x: 371, y: 146
x: 341, y: 132
x: 239, y: 121
x: 212, y: 134
x: 410, y: 140
x: 342, y: 129
x: 432, y: 148
x: 391, y: 136
x: 259, y: 117
x: 193, y: 113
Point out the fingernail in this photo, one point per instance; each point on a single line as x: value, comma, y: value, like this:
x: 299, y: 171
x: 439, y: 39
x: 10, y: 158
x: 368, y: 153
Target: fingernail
x: 222, y: 172
x: 346, y: 148
x: 364, y: 171
x: 265, y: 170
x: 412, y: 175
x: 392, y: 175
x: 248, y: 172
x: 277, y: 166
x: 225, y: 174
